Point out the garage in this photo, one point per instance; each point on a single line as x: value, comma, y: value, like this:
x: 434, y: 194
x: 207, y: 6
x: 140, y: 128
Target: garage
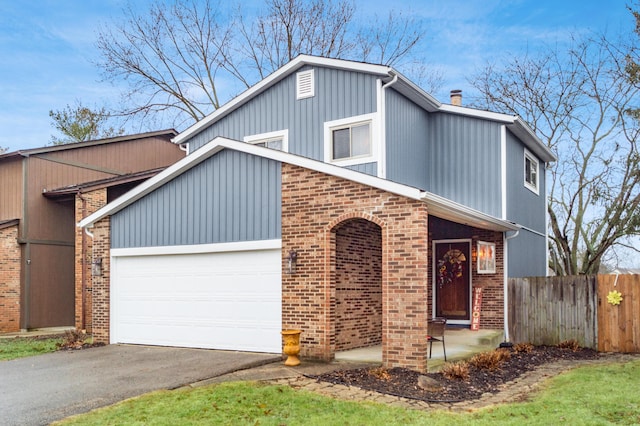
x: 215, y: 296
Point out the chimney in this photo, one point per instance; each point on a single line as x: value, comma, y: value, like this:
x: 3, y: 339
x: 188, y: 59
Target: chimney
x: 456, y: 97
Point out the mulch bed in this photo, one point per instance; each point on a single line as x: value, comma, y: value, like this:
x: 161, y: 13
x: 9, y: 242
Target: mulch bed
x: 404, y: 382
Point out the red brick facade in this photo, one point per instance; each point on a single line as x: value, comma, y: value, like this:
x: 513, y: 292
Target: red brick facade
x: 314, y: 207
x: 100, y: 288
x: 85, y: 204
x: 9, y: 280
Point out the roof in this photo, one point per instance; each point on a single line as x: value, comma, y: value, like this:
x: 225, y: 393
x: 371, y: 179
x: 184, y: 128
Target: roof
x: 401, y: 84
x: 6, y: 223
x: 437, y: 205
x: 75, y: 145
x: 101, y: 183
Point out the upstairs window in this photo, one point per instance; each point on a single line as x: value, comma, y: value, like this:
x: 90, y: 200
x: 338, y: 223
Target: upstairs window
x: 351, y: 141
x: 531, y: 171
x: 274, y: 140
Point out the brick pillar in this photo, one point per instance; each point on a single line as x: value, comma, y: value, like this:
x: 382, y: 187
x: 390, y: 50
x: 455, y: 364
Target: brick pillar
x: 9, y: 280
x: 314, y: 205
x: 85, y: 204
x: 101, y: 283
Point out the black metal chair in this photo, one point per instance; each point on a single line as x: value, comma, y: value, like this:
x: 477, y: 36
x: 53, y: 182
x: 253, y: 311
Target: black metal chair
x: 436, y: 330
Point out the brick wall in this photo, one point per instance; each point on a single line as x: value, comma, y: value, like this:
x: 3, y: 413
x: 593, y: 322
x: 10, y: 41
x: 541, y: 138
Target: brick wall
x: 100, y: 291
x: 314, y: 206
x: 358, y: 284
x: 85, y: 204
x: 9, y: 280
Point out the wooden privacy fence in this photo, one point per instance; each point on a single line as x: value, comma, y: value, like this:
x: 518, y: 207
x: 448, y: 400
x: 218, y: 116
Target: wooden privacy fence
x: 549, y: 310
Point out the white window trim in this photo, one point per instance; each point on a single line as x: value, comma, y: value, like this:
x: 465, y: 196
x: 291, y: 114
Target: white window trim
x: 534, y: 159
x: 310, y: 93
x: 263, y: 137
x: 329, y: 126
x: 492, y: 268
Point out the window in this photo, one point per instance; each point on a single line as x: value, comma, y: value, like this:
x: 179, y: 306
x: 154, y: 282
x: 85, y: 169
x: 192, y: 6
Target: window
x: 305, y: 87
x: 531, y: 172
x: 486, y: 258
x: 275, y: 140
x: 351, y: 141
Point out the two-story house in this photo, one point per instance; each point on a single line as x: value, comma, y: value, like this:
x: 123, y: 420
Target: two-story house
x: 42, y: 196
x: 334, y: 197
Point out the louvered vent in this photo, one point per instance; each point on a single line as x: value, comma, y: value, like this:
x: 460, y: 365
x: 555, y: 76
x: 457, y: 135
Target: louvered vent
x: 306, y: 85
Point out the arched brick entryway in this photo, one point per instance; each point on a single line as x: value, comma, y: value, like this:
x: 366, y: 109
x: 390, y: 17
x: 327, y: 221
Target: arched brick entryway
x: 357, y: 276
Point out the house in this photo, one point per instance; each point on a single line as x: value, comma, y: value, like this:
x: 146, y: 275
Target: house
x: 333, y: 197
x: 41, y: 197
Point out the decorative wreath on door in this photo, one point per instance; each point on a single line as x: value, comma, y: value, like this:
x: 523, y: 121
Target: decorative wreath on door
x: 450, y: 266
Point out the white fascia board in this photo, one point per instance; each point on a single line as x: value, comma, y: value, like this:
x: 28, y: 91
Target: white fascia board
x: 478, y: 113
x: 273, y: 78
x: 450, y: 210
x: 198, y: 248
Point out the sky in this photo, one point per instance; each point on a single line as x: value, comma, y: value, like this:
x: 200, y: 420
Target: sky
x: 48, y: 47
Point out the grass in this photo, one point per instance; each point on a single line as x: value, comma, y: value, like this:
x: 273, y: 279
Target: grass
x: 596, y: 395
x: 20, y: 347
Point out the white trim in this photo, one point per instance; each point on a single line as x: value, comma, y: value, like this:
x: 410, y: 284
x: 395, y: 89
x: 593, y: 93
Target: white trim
x: 478, y: 113
x: 306, y: 77
x: 533, y: 188
x: 503, y: 170
x: 264, y: 137
x: 273, y: 78
x: 433, y: 278
x: 382, y: 145
x: 198, y: 248
x: 329, y: 126
x: 438, y: 206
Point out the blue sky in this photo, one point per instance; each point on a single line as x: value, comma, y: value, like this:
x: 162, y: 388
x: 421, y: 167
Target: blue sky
x: 47, y: 47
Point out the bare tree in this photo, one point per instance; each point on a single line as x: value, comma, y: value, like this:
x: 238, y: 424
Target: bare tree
x: 187, y: 58
x: 80, y: 124
x: 578, y: 101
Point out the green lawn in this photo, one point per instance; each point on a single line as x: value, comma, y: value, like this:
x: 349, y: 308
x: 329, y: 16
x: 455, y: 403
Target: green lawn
x: 20, y: 347
x: 586, y: 396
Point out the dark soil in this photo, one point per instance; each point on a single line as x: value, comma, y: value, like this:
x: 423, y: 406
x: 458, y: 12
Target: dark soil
x: 404, y: 382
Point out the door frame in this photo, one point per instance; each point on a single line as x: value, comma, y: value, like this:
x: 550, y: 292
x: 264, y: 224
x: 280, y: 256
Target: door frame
x: 433, y: 277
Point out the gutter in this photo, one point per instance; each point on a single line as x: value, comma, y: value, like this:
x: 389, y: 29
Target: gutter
x: 507, y: 342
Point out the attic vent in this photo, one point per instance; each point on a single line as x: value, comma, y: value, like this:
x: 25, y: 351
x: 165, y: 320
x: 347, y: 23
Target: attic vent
x: 305, y: 85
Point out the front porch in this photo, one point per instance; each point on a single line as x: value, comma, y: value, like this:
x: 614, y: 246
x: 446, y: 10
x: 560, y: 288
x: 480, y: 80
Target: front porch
x: 461, y: 344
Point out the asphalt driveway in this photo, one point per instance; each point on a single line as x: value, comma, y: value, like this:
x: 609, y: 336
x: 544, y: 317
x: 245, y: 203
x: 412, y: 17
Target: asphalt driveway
x: 41, y: 389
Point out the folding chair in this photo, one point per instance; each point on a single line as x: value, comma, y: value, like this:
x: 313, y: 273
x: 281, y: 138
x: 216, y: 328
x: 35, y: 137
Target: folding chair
x: 436, y: 333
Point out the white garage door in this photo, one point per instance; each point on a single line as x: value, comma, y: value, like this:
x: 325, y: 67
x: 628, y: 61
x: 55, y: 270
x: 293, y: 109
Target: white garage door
x: 220, y: 300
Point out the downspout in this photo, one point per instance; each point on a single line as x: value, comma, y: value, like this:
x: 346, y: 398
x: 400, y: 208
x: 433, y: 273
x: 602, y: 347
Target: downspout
x: 507, y: 343
x: 382, y: 160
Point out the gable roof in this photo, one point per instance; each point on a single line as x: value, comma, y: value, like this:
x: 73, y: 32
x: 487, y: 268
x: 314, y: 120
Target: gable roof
x: 402, y: 85
x: 437, y: 205
x: 64, y: 147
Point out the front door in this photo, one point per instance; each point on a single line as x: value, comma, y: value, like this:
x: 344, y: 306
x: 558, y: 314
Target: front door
x: 452, y: 280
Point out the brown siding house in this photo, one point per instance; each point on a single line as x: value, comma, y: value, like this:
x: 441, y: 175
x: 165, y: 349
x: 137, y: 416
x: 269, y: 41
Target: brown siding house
x: 38, y: 217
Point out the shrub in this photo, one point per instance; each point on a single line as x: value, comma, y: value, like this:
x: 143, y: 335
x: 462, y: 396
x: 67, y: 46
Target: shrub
x: 73, y: 339
x: 523, y: 347
x: 456, y: 370
x: 380, y: 373
x: 490, y: 360
x: 569, y: 344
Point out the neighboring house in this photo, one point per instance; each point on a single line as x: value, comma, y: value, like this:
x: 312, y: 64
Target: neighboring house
x: 334, y: 197
x: 37, y: 219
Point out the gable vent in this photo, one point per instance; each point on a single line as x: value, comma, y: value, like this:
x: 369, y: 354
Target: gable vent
x: 305, y: 84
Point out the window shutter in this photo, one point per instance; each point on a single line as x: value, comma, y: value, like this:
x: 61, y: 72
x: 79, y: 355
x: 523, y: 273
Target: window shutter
x: 305, y: 85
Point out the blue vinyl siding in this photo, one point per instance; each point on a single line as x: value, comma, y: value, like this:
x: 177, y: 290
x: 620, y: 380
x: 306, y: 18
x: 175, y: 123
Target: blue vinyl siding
x: 230, y: 197
x: 407, y: 139
x: 339, y: 94
x: 527, y: 255
x: 524, y: 206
